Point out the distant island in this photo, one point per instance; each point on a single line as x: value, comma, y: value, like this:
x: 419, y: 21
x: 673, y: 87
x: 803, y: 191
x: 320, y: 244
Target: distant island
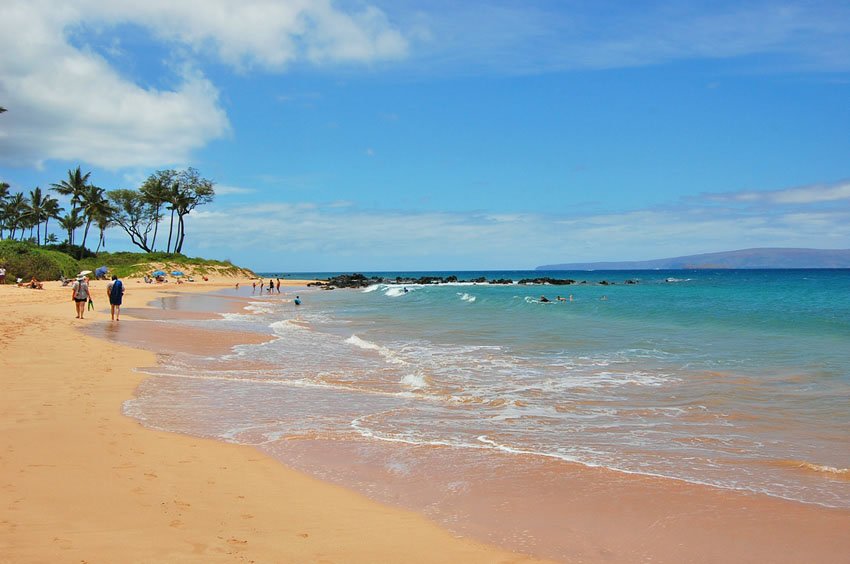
x: 744, y: 258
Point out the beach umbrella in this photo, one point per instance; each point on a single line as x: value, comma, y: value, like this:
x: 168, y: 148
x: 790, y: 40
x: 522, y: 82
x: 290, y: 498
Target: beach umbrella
x: 158, y: 273
x: 101, y: 271
x: 176, y: 273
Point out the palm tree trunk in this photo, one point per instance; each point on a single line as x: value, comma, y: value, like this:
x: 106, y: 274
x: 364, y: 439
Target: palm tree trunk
x: 178, y: 245
x: 86, y: 233
x: 155, y: 227
x: 170, y: 229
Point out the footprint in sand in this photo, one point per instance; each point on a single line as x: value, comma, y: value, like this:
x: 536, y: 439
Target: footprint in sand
x: 236, y: 541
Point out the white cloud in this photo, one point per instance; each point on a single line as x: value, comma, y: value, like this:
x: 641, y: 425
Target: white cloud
x: 266, y: 33
x: 326, y: 237
x: 225, y: 190
x: 67, y: 102
x: 798, y: 195
x: 534, y: 37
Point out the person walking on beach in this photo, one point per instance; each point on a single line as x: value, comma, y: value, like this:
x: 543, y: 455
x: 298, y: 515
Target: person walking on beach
x: 115, y: 293
x: 2, y: 275
x: 80, y: 295
x: 271, y: 286
x: 278, y: 285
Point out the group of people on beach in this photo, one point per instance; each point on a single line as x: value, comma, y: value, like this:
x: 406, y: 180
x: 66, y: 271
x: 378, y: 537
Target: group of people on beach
x: 274, y: 285
x: 81, y: 295
x: 262, y: 286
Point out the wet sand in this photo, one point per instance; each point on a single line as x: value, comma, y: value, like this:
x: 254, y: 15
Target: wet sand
x: 567, y: 512
x: 80, y: 482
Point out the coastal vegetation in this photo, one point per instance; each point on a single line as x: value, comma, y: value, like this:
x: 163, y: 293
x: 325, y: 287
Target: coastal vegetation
x: 30, y: 221
x: 165, y: 196
x: 24, y: 259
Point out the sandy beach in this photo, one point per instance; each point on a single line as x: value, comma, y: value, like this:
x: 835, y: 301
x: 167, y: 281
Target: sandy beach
x: 83, y: 483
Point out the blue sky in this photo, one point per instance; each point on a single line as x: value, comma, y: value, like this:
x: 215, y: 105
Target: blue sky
x: 400, y: 135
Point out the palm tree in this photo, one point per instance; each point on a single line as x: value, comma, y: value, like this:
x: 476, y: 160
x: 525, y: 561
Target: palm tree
x: 36, y: 210
x: 104, y: 219
x: 194, y: 191
x: 71, y: 222
x: 14, y: 211
x: 4, y: 193
x: 92, y: 204
x: 173, y: 202
x: 156, y: 192
x: 52, y: 209
x: 74, y: 187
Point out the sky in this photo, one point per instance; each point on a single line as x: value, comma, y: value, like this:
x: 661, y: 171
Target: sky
x: 395, y: 135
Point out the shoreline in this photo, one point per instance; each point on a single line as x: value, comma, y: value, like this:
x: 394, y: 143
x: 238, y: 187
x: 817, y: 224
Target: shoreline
x: 81, y: 481
x: 582, y: 513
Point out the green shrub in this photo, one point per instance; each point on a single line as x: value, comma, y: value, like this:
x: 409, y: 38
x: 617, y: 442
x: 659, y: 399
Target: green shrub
x: 25, y: 260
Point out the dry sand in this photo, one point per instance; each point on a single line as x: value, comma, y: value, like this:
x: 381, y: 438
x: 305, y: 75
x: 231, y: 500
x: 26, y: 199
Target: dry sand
x: 80, y: 482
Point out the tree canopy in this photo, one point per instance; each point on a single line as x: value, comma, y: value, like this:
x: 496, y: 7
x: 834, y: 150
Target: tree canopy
x: 138, y: 212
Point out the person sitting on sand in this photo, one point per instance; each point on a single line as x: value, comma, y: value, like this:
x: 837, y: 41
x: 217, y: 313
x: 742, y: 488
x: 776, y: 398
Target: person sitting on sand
x: 34, y: 284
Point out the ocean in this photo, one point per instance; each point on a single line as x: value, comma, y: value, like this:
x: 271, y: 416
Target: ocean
x: 738, y: 379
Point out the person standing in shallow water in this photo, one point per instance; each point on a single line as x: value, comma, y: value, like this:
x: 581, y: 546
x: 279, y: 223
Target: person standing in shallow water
x: 115, y: 293
x: 80, y: 295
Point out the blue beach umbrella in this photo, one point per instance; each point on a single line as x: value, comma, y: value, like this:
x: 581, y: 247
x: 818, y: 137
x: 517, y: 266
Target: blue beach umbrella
x: 158, y: 273
x: 101, y: 272
x: 176, y: 273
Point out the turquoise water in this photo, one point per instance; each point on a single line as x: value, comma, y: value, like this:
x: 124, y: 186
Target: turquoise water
x: 737, y: 379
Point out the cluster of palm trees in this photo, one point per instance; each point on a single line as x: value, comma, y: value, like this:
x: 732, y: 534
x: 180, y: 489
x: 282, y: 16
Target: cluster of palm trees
x: 22, y: 215
x: 137, y: 212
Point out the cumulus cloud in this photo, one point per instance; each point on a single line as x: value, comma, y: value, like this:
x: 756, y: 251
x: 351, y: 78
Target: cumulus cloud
x: 66, y: 101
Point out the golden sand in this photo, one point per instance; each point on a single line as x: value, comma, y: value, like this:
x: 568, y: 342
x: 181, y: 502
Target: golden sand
x: 80, y: 482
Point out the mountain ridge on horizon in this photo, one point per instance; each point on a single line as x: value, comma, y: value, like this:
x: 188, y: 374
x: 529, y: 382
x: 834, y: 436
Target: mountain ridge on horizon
x: 762, y: 257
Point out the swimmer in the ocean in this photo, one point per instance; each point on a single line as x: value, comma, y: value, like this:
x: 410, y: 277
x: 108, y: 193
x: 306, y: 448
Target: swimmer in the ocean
x: 544, y: 299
